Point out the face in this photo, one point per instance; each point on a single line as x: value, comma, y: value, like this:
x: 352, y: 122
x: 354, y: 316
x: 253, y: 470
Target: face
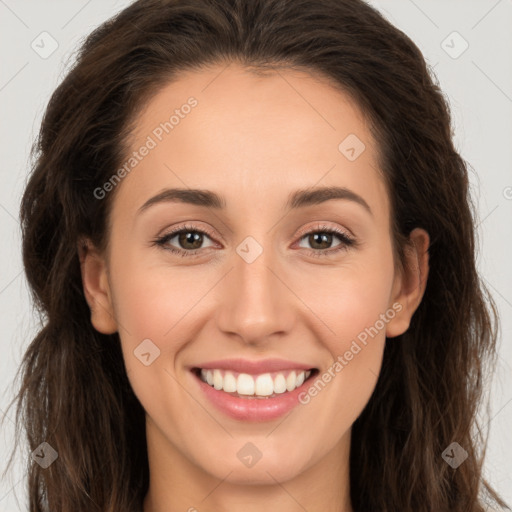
x: 260, y: 277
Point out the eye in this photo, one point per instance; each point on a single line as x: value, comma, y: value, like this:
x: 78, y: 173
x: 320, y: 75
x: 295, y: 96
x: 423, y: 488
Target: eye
x: 323, y: 236
x: 190, y: 239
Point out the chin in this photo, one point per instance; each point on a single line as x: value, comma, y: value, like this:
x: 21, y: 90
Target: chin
x: 267, y: 470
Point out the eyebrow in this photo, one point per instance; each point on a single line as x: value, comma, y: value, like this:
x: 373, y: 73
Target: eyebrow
x: 298, y: 199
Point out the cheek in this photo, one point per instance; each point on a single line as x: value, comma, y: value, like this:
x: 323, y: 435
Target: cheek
x: 152, y: 294
x: 342, y: 389
x: 350, y: 298
x: 354, y: 309
x: 151, y: 303
x: 151, y: 310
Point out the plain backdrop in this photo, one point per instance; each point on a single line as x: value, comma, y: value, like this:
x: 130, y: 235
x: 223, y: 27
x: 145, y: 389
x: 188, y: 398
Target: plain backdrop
x: 468, y: 44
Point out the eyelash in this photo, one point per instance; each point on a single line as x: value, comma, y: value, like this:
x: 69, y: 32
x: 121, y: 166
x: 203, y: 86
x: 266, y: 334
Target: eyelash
x: 346, y: 241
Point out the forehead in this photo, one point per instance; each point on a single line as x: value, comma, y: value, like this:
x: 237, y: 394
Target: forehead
x: 250, y: 134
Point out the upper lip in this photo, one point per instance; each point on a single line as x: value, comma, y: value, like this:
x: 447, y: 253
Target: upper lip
x: 254, y: 367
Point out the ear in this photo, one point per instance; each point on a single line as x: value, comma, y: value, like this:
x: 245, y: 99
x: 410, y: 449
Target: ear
x: 96, y: 287
x: 409, y: 285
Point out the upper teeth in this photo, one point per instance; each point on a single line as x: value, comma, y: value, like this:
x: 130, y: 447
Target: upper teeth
x: 260, y: 385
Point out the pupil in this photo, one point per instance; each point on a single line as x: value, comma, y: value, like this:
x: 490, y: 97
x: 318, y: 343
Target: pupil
x: 189, y: 237
x: 324, y: 239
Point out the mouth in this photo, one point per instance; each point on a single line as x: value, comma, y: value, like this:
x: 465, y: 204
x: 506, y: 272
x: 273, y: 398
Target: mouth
x: 268, y: 385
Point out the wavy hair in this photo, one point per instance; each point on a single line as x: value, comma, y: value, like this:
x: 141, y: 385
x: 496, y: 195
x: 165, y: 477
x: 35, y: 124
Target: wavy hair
x: 74, y: 393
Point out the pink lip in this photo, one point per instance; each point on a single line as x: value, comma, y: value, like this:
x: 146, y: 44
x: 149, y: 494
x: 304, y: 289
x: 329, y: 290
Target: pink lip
x: 255, y: 409
x: 254, y: 367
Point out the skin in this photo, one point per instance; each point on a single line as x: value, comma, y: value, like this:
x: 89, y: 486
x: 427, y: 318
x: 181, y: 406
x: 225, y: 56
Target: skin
x: 253, y: 140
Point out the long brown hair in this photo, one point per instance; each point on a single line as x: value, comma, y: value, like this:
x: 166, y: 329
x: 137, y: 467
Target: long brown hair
x: 74, y: 392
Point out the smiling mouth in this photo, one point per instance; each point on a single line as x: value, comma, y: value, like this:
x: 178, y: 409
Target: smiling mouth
x: 261, y: 386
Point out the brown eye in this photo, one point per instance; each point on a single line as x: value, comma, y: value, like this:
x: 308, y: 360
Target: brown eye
x: 320, y: 241
x: 189, y: 241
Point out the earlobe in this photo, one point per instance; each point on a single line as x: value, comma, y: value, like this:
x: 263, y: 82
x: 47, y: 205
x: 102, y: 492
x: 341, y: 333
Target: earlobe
x: 409, y: 287
x: 96, y: 287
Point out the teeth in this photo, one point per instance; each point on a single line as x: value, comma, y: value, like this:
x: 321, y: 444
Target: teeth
x: 245, y: 384
x: 280, y: 384
x: 229, y: 383
x: 263, y: 385
x: 290, y: 381
x: 217, y: 379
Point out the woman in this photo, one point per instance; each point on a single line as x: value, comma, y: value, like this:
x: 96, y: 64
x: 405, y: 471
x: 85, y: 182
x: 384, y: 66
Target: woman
x: 321, y: 344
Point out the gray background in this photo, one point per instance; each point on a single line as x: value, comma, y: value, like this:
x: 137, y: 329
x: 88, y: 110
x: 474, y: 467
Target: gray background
x: 477, y: 83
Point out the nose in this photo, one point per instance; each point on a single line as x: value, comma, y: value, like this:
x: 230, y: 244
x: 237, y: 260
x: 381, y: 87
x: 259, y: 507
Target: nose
x: 256, y: 303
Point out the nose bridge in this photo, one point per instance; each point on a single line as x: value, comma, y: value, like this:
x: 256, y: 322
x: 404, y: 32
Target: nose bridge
x: 254, y: 302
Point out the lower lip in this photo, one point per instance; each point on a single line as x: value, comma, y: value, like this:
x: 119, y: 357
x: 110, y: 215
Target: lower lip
x: 256, y: 409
